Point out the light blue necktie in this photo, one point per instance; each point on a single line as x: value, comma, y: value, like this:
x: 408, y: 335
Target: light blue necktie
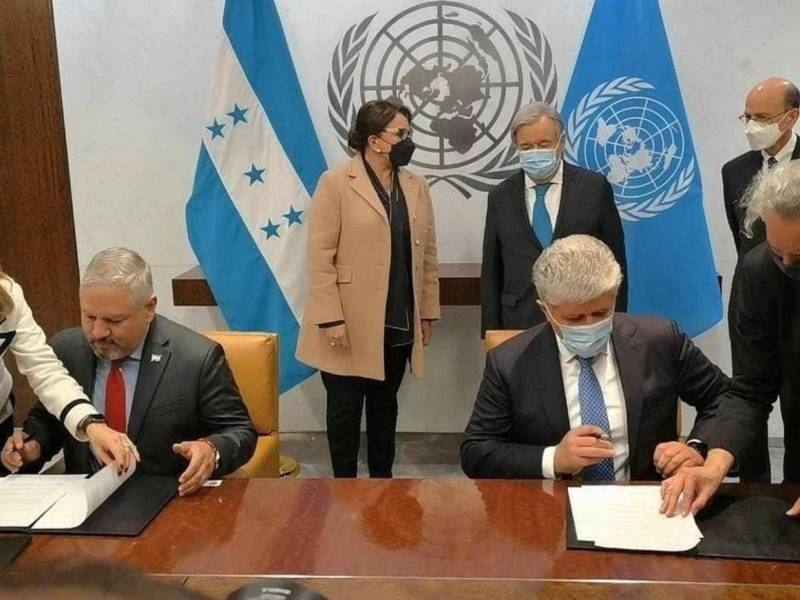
x: 540, y: 219
x: 593, y: 412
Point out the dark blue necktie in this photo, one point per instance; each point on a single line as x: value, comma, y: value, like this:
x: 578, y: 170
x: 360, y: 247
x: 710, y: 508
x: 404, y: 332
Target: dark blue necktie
x: 540, y: 219
x: 593, y: 412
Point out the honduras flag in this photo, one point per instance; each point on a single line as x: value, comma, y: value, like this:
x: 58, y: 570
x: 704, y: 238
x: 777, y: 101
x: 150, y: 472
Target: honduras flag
x: 625, y: 118
x: 259, y: 163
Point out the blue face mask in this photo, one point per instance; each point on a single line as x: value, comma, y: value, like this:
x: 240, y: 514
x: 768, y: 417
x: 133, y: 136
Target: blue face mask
x: 539, y: 163
x: 586, y: 340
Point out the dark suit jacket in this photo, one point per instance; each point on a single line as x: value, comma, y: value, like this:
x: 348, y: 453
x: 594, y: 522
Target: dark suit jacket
x: 510, y: 247
x: 766, y: 360
x: 188, y: 394
x: 521, y: 407
x: 737, y: 175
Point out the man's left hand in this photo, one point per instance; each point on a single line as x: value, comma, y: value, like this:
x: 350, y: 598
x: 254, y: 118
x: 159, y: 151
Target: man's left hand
x: 669, y: 457
x: 201, y: 465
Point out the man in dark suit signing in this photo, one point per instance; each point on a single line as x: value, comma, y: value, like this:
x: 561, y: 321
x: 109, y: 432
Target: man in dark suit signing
x: 168, y: 387
x: 766, y: 353
x: 546, y: 199
x: 770, y: 114
x: 589, y: 393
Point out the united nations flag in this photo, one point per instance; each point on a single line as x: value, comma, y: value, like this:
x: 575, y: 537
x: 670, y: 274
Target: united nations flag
x: 625, y: 118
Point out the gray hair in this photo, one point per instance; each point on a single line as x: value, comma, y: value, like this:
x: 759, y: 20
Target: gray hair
x: 576, y: 269
x: 775, y: 190
x: 120, y: 267
x: 532, y: 113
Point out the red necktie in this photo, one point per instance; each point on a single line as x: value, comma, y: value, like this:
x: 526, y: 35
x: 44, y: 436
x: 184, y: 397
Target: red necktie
x: 115, y: 397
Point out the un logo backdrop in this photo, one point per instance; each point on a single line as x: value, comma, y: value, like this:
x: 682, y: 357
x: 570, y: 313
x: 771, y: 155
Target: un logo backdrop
x: 463, y: 69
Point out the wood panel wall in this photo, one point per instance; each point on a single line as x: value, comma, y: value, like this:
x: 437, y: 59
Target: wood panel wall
x: 37, y: 234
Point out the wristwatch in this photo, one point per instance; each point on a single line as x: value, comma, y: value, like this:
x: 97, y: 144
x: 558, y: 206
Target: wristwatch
x: 700, y: 447
x: 216, y: 453
x: 88, y: 420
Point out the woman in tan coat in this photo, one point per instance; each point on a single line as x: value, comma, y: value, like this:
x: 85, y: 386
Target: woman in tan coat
x: 374, y: 285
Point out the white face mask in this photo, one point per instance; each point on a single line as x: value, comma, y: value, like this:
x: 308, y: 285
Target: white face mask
x: 761, y: 136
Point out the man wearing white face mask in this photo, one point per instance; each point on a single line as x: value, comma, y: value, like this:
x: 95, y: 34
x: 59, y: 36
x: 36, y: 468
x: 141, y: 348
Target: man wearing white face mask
x: 770, y: 114
x: 546, y: 199
x: 589, y: 393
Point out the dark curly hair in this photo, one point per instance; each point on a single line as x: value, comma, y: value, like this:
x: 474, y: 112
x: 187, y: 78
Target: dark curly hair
x: 372, y: 118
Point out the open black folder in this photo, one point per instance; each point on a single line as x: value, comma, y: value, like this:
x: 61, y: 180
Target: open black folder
x: 751, y: 528
x: 12, y: 546
x: 127, y: 511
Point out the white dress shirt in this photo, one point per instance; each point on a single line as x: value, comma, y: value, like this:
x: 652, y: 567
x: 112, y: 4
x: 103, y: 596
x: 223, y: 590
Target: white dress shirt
x: 552, y: 199
x: 605, y: 367
x: 783, y: 155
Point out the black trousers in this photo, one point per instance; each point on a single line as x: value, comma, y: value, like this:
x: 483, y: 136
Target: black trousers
x: 346, y: 396
x: 754, y: 467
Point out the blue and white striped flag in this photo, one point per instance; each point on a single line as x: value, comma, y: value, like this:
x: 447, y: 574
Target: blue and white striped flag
x: 259, y: 163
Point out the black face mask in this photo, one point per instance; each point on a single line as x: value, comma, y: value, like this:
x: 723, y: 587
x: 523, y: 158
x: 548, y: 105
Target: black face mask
x: 792, y: 270
x: 401, y: 152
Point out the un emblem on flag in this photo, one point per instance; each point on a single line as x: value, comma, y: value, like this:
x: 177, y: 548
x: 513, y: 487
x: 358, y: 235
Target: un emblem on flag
x: 622, y: 130
x: 462, y: 72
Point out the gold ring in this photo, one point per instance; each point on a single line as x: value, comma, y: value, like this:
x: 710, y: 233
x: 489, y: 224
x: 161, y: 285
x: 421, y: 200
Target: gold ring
x: 332, y: 343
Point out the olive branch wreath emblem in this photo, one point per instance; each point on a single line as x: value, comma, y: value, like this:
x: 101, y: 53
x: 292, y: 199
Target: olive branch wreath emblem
x: 579, y: 120
x: 503, y: 163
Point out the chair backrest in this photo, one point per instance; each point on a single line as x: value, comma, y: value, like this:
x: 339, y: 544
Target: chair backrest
x: 495, y: 337
x: 253, y: 358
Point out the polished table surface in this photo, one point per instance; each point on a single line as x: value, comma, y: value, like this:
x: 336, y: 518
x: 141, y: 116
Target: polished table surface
x: 361, y: 588
x: 406, y: 528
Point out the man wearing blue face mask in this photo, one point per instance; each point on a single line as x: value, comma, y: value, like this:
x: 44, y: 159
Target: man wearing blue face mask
x: 766, y: 348
x: 770, y: 114
x: 590, y: 393
x: 546, y: 199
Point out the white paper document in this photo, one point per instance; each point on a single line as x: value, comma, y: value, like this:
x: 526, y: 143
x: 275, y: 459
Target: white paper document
x: 627, y: 517
x: 55, y: 501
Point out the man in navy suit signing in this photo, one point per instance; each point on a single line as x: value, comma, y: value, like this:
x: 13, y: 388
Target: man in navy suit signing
x: 590, y: 393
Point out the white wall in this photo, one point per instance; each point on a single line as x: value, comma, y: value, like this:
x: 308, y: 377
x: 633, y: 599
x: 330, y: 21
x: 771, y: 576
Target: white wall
x: 135, y: 76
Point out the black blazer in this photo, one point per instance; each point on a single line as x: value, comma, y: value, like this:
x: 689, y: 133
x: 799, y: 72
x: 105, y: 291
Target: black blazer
x: 521, y: 407
x: 510, y: 247
x: 187, y: 394
x: 737, y: 175
x: 766, y: 360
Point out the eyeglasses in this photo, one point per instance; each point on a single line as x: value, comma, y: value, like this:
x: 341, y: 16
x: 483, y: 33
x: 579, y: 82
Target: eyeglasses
x: 745, y: 118
x: 400, y: 132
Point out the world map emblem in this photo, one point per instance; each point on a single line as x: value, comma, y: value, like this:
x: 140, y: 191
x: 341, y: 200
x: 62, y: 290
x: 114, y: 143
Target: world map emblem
x: 462, y: 72
x: 624, y: 131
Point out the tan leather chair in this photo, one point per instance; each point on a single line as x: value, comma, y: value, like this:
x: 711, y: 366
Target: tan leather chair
x: 495, y: 337
x: 253, y: 358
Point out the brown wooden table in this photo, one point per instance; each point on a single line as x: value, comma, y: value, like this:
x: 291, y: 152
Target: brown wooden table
x: 459, y: 285
x: 443, y: 528
x: 369, y: 588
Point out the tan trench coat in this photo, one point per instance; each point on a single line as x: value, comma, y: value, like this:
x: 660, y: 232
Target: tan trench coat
x: 348, y: 260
